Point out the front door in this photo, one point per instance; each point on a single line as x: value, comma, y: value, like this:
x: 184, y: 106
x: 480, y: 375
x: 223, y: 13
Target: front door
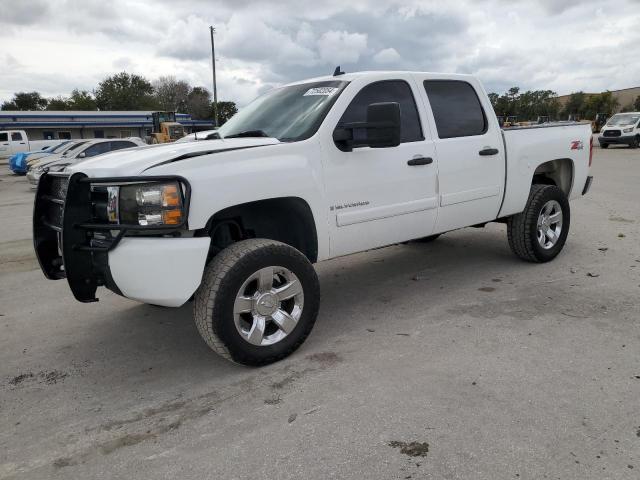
x: 381, y: 196
x: 5, y: 145
x: 18, y: 142
x: 471, y: 157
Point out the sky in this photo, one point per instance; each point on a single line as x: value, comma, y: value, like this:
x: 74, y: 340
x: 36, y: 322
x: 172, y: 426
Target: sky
x: 53, y: 46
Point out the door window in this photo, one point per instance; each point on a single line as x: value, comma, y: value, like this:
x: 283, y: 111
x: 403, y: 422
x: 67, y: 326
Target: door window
x: 121, y: 145
x: 456, y: 108
x: 96, y: 149
x: 387, y: 91
x: 4, y: 137
x: 16, y: 137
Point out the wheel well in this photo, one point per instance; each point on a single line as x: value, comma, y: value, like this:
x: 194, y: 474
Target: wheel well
x: 288, y: 220
x: 557, y: 172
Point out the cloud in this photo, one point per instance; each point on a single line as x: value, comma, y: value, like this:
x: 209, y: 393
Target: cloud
x: 387, y: 56
x: 341, y: 47
x: 23, y: 13
x: 535, y: 44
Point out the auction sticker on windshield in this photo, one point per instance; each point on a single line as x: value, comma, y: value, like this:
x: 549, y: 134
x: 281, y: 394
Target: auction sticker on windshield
x: 328, y: 91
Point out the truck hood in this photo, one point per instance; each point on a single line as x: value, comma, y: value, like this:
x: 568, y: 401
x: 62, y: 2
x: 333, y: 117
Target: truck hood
x: 135, y: 161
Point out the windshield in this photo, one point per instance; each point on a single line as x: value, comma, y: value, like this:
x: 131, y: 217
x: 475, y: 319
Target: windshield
x: 289, y: 113
x: 624, y: 119
x: 176, y: 131
x: 73, y: 148
x: 59, y: 148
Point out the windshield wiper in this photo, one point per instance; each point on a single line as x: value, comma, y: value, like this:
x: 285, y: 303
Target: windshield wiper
x: 248, y: 133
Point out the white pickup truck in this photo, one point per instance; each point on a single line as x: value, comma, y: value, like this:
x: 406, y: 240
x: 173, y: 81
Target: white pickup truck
x: 309, y: 171
x: 16, y: 141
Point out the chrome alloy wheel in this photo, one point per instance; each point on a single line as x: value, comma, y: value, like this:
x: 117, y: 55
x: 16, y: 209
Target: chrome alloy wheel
x: 549, y: 224
x: 268, y: 306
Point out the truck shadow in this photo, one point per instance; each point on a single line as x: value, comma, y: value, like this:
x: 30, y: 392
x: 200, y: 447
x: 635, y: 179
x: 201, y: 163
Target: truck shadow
x: 367, y: 287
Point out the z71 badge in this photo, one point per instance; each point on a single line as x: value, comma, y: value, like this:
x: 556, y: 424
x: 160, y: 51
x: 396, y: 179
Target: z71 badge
x: 577, y: 145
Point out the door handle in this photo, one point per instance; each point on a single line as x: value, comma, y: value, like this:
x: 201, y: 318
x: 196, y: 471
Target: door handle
x: 488, y: 151
x: 420, y: 161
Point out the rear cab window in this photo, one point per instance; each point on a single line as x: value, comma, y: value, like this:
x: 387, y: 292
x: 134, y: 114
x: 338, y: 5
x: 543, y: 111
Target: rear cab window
x: 456, y: 108
x: 386, y: 91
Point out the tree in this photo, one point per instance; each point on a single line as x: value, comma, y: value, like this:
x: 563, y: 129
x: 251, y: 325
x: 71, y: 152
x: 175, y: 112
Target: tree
x: 26, y: 101
x: 600, y: 103
x: 526, y: 106
x: 58, y: 103
x: 636, y: 104
x: 81, y: 100
x: 575, y: 105
x: 226, y: 110
x: 124, y: 91
x: 171, y: 95
x: 493, y: 98
x: 199, y: 103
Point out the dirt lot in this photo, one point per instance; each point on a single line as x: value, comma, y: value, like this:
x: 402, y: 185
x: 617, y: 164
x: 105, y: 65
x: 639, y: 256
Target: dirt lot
x: 446, y: 360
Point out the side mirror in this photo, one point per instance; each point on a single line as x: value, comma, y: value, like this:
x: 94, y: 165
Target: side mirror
x: 383, y: 125
x: 82, y: 155
x: 381, y: 130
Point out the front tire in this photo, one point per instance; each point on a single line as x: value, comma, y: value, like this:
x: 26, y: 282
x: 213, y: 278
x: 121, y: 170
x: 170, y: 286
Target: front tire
x: 635, y: 142
x: 604, y: 145
x: 258, y: 301
x: 539, y: 233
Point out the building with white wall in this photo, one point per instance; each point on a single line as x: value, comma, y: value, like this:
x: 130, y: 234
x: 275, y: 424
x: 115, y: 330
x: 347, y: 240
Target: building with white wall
x: 48, y: 125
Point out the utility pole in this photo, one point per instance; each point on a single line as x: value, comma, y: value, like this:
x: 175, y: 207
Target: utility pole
x: 215, y: 88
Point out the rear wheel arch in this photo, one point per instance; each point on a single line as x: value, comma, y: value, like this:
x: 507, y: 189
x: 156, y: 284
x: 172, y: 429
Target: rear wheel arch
x: 559, y: 172
x: 285, y: 219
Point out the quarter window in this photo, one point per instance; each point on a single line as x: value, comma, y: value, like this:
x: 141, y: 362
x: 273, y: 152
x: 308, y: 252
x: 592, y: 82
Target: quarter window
x: 387, y: 91
x: 456, y: 108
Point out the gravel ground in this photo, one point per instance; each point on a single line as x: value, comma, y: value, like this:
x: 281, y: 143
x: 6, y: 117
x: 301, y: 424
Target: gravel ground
x: 445, y: 360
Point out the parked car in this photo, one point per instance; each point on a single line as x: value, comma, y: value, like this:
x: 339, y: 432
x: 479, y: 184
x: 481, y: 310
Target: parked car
x: 621, y: 129
x: 16, y: 141
x: 307, y: 172
x: 197, y: 136
x: 18, y: 162
x: 81, y: 151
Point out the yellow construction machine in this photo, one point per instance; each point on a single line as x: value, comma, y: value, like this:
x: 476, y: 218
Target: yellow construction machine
x: 165, y: 128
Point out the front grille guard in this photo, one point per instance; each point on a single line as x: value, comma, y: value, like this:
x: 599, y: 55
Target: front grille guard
x: 64, y: 230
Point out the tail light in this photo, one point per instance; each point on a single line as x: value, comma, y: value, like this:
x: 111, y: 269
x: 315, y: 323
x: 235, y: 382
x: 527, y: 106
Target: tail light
x: 590, y: 151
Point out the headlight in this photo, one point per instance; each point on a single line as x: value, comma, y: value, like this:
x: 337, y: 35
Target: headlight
x: 628, y: 130
x: 146, y: 204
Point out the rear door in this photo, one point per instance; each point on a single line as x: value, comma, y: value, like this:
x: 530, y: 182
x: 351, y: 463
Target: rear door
x: 380, y: 196
x: 470, y: 150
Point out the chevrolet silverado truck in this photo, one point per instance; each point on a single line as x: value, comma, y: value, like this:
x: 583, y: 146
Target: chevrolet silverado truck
x: 307, y: 172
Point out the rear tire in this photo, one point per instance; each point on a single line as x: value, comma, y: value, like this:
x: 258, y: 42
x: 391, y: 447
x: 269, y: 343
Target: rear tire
x: 243, y: 314
x: 539, y: 233
x: 604, y: 145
